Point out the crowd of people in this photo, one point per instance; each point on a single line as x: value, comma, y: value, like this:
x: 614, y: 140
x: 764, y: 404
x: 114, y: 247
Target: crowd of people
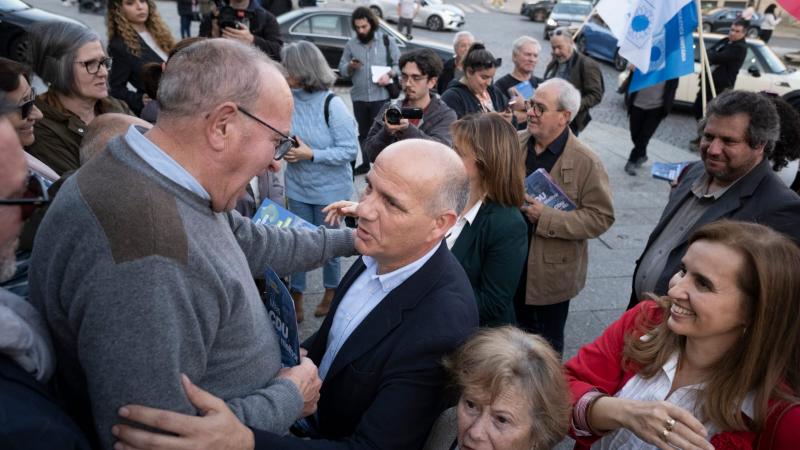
x: 132, y: 300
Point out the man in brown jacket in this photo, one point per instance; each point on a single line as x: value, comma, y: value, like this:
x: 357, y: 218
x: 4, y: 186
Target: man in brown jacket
x: 558, y: 251
x: 582, y: 71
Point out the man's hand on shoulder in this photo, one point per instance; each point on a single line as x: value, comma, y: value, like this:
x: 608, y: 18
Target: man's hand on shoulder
x: 306, y: 377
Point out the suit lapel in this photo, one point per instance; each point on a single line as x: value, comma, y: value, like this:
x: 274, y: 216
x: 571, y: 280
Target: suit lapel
x: 469, y: 235
x: 320, y: 343
x: 389, y: 313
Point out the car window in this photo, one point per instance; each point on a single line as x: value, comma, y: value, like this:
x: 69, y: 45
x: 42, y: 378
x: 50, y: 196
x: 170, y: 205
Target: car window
x: 769, y: 58
x: 12, y: 5
x: 573, y: 8
x: 751, y: 60
x: 730, y: 15
x: 320, y: 24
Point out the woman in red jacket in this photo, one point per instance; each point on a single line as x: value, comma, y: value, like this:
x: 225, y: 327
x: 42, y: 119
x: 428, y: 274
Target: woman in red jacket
x: 714, y: 364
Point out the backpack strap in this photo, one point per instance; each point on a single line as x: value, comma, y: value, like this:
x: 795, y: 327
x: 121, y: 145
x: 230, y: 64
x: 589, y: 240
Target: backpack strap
x: 326, y: 107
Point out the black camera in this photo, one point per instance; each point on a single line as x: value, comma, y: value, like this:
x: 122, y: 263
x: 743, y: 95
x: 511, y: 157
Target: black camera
x: 394, y: 113
x: 230, y: 17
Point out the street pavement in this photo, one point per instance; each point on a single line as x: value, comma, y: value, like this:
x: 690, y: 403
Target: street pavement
x: 638, y: 200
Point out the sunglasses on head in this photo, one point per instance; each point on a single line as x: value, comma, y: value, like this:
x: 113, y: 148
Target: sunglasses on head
x: 488, y: 64
x: 26, y: 107
x: 35, y: 195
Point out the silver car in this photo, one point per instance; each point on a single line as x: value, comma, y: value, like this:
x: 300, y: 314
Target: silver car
x: 433, y: 14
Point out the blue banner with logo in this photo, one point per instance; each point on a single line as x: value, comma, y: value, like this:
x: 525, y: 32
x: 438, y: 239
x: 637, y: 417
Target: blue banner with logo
x: 672, y: 53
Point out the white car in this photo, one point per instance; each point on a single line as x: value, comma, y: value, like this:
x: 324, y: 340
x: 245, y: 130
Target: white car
x: 433, y: 14
x: 762, y: 70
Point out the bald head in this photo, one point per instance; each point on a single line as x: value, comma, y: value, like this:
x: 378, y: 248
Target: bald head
x: 104, y: 128
x: 13, y: 174
x: 434, y: 169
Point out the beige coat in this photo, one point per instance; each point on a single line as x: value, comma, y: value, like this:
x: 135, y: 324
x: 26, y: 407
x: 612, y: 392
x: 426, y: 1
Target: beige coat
x: 558, y: 253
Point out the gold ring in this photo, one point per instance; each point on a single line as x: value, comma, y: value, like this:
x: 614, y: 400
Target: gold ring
x: 665, y: 434
x: 670, y: 424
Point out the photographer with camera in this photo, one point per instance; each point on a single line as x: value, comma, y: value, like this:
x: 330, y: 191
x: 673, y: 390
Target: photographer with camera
x: 420, y: 113
x: 245, y: 21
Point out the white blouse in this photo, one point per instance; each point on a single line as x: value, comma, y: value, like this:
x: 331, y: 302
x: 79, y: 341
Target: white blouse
x: 657, y: 389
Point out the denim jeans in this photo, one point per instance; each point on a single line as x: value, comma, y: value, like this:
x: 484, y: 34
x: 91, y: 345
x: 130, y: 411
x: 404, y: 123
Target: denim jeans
x: 186, y: 26
x: 331, y: 271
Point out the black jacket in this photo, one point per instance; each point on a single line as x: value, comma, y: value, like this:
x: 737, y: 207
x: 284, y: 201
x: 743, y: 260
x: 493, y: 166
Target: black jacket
x: 728, y: 57
x: 127, y: 68
x: 435, y: 126
x: 759, y: 197
x: 385, y: 387
x: 448, y: 72
x: 585, y: 75
x: 670, y: 88
x: 30, y: 416
x: 461, y: 100
x: 263, y: 26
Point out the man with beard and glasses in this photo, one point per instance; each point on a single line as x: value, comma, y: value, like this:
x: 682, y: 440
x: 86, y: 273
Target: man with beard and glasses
x: 734, y: 181
x: 369, y: 47
x: 419, y: 72
x: 31, y: 416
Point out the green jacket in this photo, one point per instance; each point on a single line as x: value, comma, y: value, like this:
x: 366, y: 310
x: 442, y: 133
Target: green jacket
x: 492, y: 251
x: 59, y: 135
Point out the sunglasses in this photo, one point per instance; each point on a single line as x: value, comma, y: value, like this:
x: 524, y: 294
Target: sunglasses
x: 488, y: 64
x: 35, y: 195
x: 285, y: 144
x: 26, y: 107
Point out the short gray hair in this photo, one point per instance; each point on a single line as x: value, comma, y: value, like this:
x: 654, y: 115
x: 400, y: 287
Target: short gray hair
x: 305, y: 64
x: 764, y: 127
x: 461, y: 35
x: 54, y: 46
x: 453, y: 191
x: 210, y: 72
x: 569, y: 98
x: 522, y: 41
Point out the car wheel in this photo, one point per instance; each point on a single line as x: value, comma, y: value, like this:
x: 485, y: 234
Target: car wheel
x: 435, y: 23
x: 620, y: 63
x: 539, y: 15
x: 377, y: 11
x: 19, y: 49
x: 793, y: 98
x: 752, y: 33
x: 581, y: 44
x: 706, y: 27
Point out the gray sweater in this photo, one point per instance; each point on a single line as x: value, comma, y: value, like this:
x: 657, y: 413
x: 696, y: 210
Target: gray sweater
x: 140, y: 281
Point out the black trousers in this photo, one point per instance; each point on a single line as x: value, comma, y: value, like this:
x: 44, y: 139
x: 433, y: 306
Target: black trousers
x: 643, y: 124
x: 365, y: 113
x: 548, y: 321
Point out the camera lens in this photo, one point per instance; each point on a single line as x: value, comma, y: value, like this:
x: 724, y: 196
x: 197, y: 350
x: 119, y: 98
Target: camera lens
x: 393, y: 116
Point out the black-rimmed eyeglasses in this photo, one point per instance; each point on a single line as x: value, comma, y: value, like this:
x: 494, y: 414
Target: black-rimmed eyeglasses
x: 285, y: 144
x: 35, y: 195
x: 26, y: 107
x: 538, y: 109
x: 93, y: 66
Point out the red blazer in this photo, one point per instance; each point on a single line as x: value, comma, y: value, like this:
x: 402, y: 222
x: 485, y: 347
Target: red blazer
x: 599, y: 366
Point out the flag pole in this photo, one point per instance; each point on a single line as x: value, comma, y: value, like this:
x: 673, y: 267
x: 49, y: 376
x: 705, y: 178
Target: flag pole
x: 705, y: 67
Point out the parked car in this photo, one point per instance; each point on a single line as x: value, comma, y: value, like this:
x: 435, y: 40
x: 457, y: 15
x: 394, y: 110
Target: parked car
x: 762, y: 70
x: 16, y: 18
x: 433, y: 14
x: 596, y: 40
x: 330, y: 29
x: 719, y: 21
x: 537, y: 10
x: 567, y: 13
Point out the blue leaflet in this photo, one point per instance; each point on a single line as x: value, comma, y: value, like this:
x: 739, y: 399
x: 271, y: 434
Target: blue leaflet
x: 672, y: 54
x: 542, y: 187
x: 271, y: 213
x: 280, y: 310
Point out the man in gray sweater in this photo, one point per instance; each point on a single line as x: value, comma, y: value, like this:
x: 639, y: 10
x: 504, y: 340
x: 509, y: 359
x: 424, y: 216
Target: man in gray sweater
x: 143, y: 271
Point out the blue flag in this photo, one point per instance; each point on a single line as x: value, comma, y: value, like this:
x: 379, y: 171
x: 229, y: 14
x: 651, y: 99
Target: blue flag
x: 672, y: 54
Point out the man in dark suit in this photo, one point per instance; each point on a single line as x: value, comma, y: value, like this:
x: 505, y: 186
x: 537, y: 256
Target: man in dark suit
x: 399, y: 309
x: 733, y: 181
x: 726, y: 58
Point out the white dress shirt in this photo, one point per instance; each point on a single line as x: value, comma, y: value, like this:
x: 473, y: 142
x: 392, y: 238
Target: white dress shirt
x: 458, y: 227
x: 657, y: 389
x: 366, y: 292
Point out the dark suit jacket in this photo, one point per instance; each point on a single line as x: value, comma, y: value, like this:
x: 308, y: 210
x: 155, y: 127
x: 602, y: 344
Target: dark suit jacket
x: 448, y: 72
x: 127, y: 68
x: 759, y: 197
x: 492, y: 251
x: 30, y: 419
x: 728, y: 57
x: 385, y: 388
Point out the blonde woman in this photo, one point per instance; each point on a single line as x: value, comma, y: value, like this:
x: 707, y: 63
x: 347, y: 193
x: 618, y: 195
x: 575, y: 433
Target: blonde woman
x: 136, y: 35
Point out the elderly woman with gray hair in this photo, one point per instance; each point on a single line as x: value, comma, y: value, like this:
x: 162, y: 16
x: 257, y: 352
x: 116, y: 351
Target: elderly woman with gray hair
x: 513, y: 395
x: 72, y: 62
x: 318, y: 170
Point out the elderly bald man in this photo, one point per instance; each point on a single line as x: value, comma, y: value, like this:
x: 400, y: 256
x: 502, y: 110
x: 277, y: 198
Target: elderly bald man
x: 401, y: 307
x: 144, y: 273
